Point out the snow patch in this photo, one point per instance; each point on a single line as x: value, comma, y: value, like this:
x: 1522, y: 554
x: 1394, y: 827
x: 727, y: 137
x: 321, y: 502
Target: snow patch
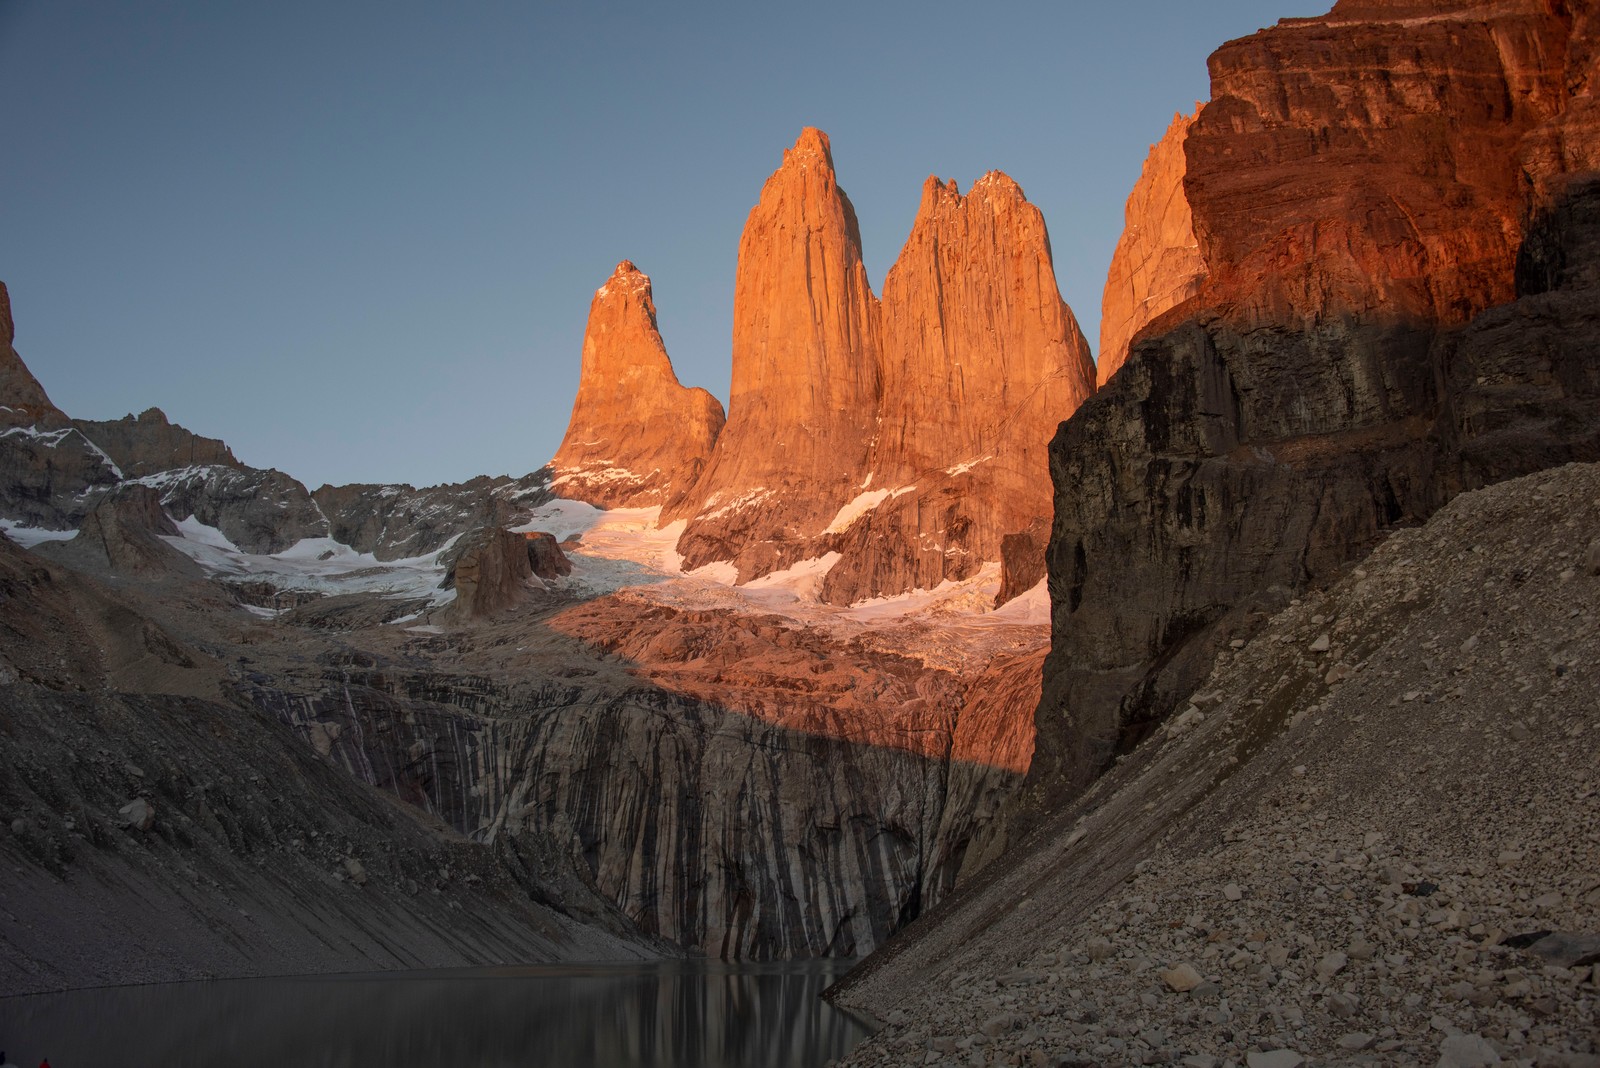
x: 1031, y: 608
x: 798, y: 582
x: 748, y: 500
x: 964, y: 467
x: 863, y: 503
x: 316, y: 565
x: 28, y: 537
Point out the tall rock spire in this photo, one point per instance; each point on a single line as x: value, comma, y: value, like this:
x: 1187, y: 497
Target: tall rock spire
x: 1157, y: 264
x: 982, y: 359
x: 803, y: 403
x: 636, y: 435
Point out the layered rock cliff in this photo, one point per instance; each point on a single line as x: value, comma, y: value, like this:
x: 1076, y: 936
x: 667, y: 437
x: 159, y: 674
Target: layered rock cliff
x: 636, y: 435
x: 1157, y: 263
x: 1365, y: 345
x: 802, y: 407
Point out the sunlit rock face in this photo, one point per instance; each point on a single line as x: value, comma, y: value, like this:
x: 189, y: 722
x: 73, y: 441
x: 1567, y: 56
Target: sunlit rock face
x: 1157, y: 264
x: 905, y: 436
x: 802, y: 408
x: 1390, y: 204
x: 1371, y: 161
x: 981, y: 360
x: 636, y: 435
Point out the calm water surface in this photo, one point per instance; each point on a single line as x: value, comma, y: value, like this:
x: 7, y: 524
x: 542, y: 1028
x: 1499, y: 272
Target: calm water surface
x: 670, y: 1014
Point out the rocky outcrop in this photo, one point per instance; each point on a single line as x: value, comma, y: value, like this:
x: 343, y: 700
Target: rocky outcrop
x: 23, y: 401
x: 150, y: 443
x: 493, y: 570
x: 123, y: 535
x: 981, y: 360
x: 1370, y: 162
x: 1362, y: 186
x: 636, y: 435
x: 1157, y: 263
x: 545, y: 555
x: 802, y: 409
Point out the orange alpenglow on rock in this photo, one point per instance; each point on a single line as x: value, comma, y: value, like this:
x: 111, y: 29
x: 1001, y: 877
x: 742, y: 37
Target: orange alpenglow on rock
x: 1157, y: 264
x: 802, y: 409
x: 23, y: 401
x: 981, y: 359
x: 1364, y: 162
x: 636, y: 435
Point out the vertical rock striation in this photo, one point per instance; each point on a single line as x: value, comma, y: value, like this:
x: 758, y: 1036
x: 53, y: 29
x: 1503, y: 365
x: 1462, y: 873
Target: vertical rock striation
x: 804, y: 398
x: 636, y: 435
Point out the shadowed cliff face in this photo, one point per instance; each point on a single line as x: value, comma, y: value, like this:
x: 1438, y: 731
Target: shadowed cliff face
x: 636, y: 435
x: 1398, y: 305
x: 739, y: 786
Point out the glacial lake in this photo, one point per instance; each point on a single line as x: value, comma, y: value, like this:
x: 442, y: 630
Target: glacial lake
x: 672, y: 1014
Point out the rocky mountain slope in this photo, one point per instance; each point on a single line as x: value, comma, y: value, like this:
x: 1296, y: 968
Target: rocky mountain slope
x: 1397, y: 306
x: 156, y: 827
x: 1369, y: 839
x: 635, y: 435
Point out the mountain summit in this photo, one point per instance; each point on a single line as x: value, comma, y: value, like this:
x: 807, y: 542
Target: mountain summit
x: 636, y: 434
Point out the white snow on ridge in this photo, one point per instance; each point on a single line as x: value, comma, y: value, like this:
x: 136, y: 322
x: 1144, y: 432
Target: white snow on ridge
x: 50, y: 439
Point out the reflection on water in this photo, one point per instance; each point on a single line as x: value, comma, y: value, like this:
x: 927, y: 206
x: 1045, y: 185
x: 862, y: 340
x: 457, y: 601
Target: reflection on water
x: 671, y: 1014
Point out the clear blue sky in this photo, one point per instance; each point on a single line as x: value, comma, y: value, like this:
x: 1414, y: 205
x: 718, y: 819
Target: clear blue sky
x: 357, y: 240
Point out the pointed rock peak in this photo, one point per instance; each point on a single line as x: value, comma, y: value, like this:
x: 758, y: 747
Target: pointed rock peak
x: 1157, y: 264
x: 996, y: 184
x: 636, y: 433
x: 8, y: 329
x: 936, y: 191
x: 812, y: 142
x: 627, y: 280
